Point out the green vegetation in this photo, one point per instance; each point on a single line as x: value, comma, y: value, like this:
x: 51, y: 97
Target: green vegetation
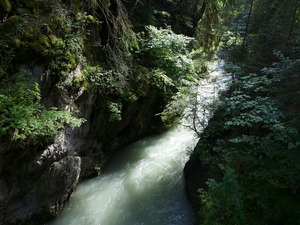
x: 253, y: 149
x: 168, y: 52
x: 123, y: 51
x: 6, y: 5
x: 173, y: 64
x: 93, y: 45
x: 252, y: 142
x: 49, y: 36
x: 23, y: 117
x: 112, y: 55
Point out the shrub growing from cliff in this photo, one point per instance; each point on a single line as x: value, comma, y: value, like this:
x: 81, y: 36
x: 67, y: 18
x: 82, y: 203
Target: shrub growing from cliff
x: 23, y: 117
x: 163, y: 49
x: 172, y: 67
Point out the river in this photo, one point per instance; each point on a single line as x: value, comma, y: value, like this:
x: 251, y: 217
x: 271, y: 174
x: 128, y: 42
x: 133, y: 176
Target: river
x: 143, y: 183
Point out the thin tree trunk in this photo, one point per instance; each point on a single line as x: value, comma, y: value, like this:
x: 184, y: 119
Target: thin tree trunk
x: 200, y: 15
x: 294, y: 19
x: 235, y: 35
x: 247, y: 26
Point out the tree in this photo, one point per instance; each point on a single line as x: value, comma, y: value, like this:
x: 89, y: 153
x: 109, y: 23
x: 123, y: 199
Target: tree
x: 24, y: 118
x: 247, y: 25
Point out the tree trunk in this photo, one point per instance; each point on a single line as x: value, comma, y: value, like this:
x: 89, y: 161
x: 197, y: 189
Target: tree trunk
x: 247, y: 26
x: 200, y: 15
x: 294, y: 18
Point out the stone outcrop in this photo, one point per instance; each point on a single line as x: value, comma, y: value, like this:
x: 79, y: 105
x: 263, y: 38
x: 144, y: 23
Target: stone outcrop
x: 196, y: 174
x: 49, y: 40
x: 36, y: 180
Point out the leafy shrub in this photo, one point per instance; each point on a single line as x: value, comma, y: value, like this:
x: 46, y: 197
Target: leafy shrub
x: 110, y: 83
x: 252, y: 146
x: 172, y: 67
x: 159, y: 78
x: 115, y: 111
x: 223, y: 204
x: 23, y: 118
x: 168, y: 51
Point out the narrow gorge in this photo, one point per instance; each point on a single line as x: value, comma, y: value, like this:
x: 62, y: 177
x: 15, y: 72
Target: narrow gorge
x: 111, y: 112
x: 144, y: 183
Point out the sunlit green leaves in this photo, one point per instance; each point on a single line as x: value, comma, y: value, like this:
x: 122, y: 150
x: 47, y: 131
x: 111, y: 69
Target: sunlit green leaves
x: 223, y: 204
x: 261, y: 110
x: 22, y: 117
x: 115, y: 111
x: 169, y: 52
x: 251, y: 135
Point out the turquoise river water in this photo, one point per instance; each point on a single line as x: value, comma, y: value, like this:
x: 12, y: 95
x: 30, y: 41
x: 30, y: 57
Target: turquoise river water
x: 143, y: 183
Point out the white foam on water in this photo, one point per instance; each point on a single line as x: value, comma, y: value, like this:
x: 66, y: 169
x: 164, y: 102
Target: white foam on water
x: 144, y: 183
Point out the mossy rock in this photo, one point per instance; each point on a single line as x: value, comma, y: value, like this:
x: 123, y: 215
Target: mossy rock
x: 41, y: 45
x: 32, y: 7
x: 76, y: 5
x: 29, y: 4
x: 45, y: 29
x: 44, y: 41
x: 23, y: 11
x: 72, y: 60
x: 56, y: 42
x: 57, y: 23
x: 8, y: 27
x: 5, y: 5
x: 31, y: 33
x: 28, y: 50
x: 17, y: 42
x: 24, y: 52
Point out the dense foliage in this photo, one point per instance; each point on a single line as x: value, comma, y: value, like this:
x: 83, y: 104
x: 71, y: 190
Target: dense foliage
x: 23, y: 117
x: 91, y: 44
x: 168, y: 52
x: 252, y: 143
x: 121, y: 51
x: 253, y: 148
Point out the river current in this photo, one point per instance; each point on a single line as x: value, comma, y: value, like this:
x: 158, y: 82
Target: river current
x: 143, y: 183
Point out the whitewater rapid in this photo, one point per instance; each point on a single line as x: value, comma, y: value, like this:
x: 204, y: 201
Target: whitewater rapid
x: 143, y: 183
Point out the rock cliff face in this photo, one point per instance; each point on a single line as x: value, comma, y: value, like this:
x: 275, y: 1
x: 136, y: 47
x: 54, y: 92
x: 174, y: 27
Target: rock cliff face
x: 196, y: 174
x: 37, y: 180
x: 85, y: 56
